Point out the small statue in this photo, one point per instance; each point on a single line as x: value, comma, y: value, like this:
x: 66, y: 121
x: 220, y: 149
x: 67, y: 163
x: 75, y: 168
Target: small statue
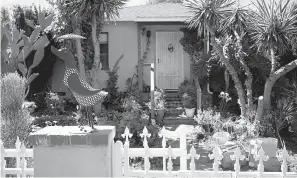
x: 84, y: 94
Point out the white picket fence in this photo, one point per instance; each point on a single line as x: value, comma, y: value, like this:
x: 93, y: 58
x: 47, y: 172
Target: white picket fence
x: 20, y: 153
x: 122, y: 153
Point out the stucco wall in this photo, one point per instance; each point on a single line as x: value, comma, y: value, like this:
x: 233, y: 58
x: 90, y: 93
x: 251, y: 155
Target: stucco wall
x: 122, y: 39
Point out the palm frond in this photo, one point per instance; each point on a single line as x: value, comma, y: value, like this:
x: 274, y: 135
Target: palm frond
x: 207, y: 13
x: 85, y: 9
x: 272, y: 25
x: 71, y: 36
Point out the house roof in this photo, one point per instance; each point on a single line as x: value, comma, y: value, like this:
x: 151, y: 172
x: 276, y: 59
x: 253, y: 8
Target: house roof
x: 162, y: 12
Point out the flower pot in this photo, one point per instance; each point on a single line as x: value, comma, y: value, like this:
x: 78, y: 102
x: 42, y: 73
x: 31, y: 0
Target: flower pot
x: 190, y: 112
x: 160, y: 115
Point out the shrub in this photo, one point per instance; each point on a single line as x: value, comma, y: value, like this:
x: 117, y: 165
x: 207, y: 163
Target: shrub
x: 134, y: 117
x: 12, y: 92
x: 15, y: 121
x: 62, y: 120
x: 187, y: 91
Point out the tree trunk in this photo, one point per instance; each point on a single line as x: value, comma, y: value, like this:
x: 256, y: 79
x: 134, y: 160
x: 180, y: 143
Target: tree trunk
x: 273, y: 78
x: 224, y: 58
x: 249, y: 80
x: 273, y: 61
x: 197, y: 84
x: 79, y: 52
x: 271, y: 81
x: 96, y: 65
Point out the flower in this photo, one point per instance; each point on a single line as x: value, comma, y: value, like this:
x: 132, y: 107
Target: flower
x: 28, y: 104
x: 53, y: 96
x: 225, y: 96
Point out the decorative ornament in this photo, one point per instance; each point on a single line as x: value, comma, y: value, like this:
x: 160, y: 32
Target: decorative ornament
x: 170, y: 47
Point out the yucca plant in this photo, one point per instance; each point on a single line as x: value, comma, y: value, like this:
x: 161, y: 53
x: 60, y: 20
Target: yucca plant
x: 272, y: 27
x: 217, y: 18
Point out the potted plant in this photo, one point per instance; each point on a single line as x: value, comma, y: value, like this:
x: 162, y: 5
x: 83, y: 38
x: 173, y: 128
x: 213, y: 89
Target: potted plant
x: 189, y: 105
x: 159, y: 99
x: 187, y: 91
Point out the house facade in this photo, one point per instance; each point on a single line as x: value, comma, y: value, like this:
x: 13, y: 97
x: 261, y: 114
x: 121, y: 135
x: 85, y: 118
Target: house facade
x: 147, y: 33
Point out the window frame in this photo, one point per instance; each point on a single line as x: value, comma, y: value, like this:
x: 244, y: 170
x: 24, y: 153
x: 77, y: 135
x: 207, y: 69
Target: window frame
x: 107, y: 52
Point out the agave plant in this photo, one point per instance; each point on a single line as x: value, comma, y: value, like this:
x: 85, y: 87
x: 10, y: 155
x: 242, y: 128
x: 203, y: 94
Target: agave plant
x: 20, y: 46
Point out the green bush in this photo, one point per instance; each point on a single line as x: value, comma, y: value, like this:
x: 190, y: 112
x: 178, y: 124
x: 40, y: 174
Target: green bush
x: 15, y: 121
x: 135, y: 117
x: 62, y: 120
x: 187, y: 92
x: 12, y: 92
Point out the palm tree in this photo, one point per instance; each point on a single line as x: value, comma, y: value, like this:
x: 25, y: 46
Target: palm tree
x: 95, y: 12
x: 210, y: 16
x: 273, y: 26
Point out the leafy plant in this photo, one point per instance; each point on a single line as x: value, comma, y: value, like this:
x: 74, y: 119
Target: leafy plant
x: 209, y: 117
x: 159, y: 100
x: 187, y: 91
x: 61, y: 120
x: 113, y: 98
x: 55, y: 104
x: 19, y: 46
x: 225, y: 98
x: 283, y: 115
x: 15, y: 121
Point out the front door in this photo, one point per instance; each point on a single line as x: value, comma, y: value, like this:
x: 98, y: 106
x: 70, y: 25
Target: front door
x: 169, y: 60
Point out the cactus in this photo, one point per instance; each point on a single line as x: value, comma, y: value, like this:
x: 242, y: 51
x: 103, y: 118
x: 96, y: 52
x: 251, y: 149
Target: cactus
x: 21, y: 46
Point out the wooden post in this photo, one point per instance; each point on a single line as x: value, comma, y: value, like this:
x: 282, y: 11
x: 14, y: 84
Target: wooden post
x: 3, y: 161
x: 152, y: 90
x: 18, y: 157
x: 183, y: 147
x: 140, y: 63
x: 259, y: 108
x: 199, y: 98
x: 118, y: 160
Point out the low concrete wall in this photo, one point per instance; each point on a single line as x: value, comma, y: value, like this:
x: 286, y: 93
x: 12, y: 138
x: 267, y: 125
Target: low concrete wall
x: 71, y: 152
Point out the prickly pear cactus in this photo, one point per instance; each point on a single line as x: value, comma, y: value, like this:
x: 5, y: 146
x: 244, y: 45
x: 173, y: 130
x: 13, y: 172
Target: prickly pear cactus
x: 20, y: 46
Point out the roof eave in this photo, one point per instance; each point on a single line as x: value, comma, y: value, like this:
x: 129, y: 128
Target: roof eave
x: 155, y: 19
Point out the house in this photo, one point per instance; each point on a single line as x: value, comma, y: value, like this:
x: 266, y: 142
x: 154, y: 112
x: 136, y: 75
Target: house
x: 147, y: 32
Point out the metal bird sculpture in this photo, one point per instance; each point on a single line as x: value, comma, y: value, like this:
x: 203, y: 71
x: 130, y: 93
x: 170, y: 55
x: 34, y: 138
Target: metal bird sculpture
x: 84, y: 94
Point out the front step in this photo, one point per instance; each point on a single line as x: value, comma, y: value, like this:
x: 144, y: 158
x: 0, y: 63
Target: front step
x: 177, y: 120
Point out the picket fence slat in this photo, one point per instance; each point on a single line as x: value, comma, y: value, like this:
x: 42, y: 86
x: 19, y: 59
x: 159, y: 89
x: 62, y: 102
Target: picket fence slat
x: 20, y: 153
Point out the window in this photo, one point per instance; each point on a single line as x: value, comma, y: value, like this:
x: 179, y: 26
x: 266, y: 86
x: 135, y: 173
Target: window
x: 104, y: 50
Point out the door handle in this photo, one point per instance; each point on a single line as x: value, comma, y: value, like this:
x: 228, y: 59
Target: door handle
x: 158, y: 60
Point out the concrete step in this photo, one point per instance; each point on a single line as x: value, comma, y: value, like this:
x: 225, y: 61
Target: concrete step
x: 177, y: 120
